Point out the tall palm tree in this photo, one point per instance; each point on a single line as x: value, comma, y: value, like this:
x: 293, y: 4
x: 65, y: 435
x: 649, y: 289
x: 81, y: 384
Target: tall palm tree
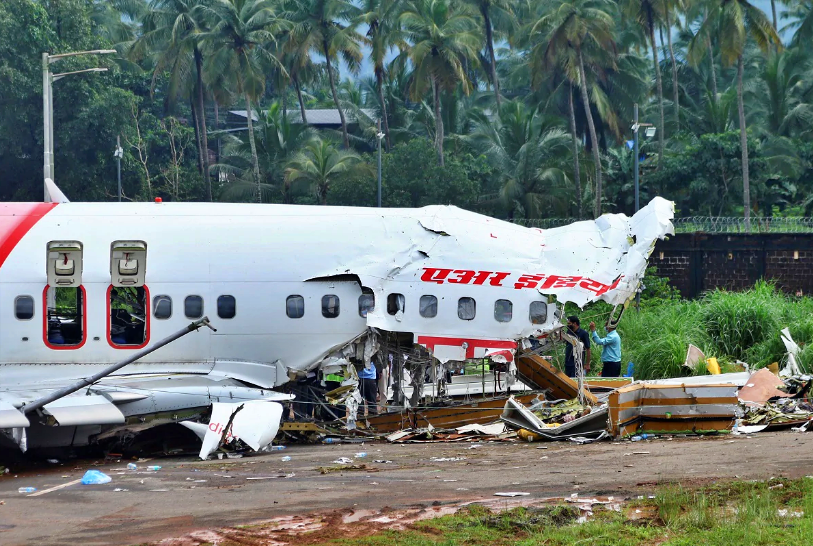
x: 568, y: 29
x: 328, y: 28
x: 502, y: 10
x: 649, y: 14
x: 672, y: 8
x: 172, y: 30
x: 319, y: 164
x: 734, y: 21
x: 277, y: 141
x: 527, y: 152
x: 382, y: 18
x: 238, y: 47
x: 781, y: 94
x: 444, y: 37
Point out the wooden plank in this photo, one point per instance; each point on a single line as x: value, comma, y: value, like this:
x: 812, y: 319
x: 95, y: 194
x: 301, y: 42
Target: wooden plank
x: 539, y: 374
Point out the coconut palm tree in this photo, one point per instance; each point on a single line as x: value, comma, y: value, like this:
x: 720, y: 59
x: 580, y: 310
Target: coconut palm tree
x: 443, y: 36
x: 172, y: 30
x: 734, y: 21
x: 328, y: 28
x: 564, y: 32
x: 238, y: 48
x: 649, y: 14
x: 277, y: 141
x: 319, y: 164
x: 672, y: 8
x: 384, y: 33
x: 780, y: 94
x: 527, y: 150
x: 503, y: 11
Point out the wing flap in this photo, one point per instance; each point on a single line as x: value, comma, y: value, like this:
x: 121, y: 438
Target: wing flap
x: 84, y: 410
x: 11, y: 417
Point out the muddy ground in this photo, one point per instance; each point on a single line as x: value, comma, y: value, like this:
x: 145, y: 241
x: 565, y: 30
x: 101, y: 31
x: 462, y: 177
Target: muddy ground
x: 176, y: 504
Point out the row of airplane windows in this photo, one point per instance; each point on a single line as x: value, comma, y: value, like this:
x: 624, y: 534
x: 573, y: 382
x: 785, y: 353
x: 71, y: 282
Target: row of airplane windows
x: 295, y: 307
x: 427, y: 307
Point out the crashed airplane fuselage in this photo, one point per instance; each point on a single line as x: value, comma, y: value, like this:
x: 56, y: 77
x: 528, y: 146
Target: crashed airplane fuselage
x: 286, y: 287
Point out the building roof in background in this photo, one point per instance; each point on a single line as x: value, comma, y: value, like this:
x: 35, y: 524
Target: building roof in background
x: 316, y: 117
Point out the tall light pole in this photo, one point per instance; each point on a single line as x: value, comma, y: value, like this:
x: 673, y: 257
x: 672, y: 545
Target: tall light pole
x: 380, y: 136
x: 48, y: 104
x: 118, y: 154
x: 650, y: 132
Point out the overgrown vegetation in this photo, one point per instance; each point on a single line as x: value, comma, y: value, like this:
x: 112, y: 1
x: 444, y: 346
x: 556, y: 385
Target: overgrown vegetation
x: 514, y: 109
x: 738, y: 513
x: 729, y: 326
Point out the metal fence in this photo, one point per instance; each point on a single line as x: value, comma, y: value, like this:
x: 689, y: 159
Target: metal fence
x: 704, y: 224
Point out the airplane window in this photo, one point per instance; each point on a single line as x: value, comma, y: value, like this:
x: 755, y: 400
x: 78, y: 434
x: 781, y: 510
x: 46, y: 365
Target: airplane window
x: 193, y: 307
x: 226, y: 307
x: 366, y: 304
x: 466, y: 308
x: 330, y: 306
x: 539, y: 312
x: 503, y: 310
x: 162, y: 307
x: 295, y: 306
x: 24, y: 307
x: 395, y: 303
x: 127, y: 306
x: 428, y: 306
x: 64, y: 311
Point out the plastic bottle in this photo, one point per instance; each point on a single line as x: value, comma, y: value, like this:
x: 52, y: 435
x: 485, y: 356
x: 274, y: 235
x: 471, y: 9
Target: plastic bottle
x: 636, y: 439
x: 26, y: 490
x: 276, y: 448
x: 154, y: 467
x: 286, y: 459
x: 132, y: 466
x: 331, y: 441
x: 361, y: 455
x: 645, y: 436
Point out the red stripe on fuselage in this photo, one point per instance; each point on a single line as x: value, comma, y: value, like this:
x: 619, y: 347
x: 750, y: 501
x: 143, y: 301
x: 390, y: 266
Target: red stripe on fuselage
x: 16, y: 219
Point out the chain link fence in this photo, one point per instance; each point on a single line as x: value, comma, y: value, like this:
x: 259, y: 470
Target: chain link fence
x: 703, y: 224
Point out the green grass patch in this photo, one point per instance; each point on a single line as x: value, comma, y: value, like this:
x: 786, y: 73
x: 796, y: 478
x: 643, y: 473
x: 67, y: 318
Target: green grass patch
x: 741, y: 513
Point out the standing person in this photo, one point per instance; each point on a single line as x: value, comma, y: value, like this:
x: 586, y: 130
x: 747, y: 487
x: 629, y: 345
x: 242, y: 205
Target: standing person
x: 575, y: 327
x: 369, y: 387
x: 611, y: 352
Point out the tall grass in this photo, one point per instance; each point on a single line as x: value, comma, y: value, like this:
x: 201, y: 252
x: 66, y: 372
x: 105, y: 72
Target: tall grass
x: 727, y: 325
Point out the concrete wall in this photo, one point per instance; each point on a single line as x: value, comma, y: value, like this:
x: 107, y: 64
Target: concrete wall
x: 697, y: 262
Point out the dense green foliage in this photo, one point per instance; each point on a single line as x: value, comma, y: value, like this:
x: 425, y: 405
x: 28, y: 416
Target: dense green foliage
x: 525, y: 107
x: 730, y: 326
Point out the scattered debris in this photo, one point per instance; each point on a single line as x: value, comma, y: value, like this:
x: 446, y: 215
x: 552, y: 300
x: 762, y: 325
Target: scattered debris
x: 95, y: 477
x: 511, y: 494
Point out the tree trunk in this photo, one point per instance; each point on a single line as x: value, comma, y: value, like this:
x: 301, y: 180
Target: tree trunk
x: 712, y: 64
x: 438, y: 122
x: 217, y: 128
x: 325, y: 50
x: 301, y: 101
x: 253, y: 149
x: 194, y: 107
x: 379, y: 76
x: 661, y: 128
x: 773, y: 12
x: 204, y: 138
x: 675, y: 89
x: 746, y: 185
x: 576, y: 173
x: 490, y: 47
x: 593, y: 138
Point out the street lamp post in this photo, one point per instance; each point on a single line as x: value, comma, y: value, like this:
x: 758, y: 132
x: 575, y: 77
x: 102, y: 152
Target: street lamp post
x: 118, y: 154
x: 380, y: 136
x: 650, y: 132
x: 48, y: 104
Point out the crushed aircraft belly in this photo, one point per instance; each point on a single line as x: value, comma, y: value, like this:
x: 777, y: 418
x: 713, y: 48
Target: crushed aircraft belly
x: 583, y: 262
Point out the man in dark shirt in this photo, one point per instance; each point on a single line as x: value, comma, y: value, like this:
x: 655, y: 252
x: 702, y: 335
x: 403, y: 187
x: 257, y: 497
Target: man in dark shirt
x: 574, y: 325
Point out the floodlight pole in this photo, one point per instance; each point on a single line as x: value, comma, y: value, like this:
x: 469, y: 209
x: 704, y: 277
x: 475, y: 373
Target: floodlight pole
x: 380, y: 136
x: 119, y: 152
x: 48, y: 106
x: 635, y: 152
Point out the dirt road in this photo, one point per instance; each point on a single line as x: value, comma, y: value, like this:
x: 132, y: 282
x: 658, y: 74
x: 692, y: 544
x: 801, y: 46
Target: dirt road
x: 188, y: 495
